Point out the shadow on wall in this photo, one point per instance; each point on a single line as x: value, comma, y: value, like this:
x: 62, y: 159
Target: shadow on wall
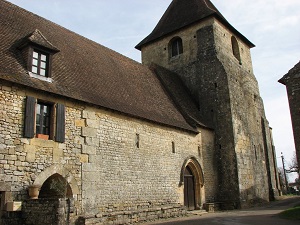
x: 251, y: 197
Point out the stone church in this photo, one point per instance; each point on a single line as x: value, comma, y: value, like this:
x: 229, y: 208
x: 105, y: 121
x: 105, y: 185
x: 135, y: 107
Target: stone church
x: 89, y: 136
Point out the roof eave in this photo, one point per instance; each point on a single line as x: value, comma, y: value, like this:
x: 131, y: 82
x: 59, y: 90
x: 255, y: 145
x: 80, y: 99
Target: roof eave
x: 282, y: 80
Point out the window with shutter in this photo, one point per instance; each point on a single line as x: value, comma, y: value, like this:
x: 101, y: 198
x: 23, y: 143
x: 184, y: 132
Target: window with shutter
x: 40, y: 119
x: 60, y: 123
x: 29, y: 117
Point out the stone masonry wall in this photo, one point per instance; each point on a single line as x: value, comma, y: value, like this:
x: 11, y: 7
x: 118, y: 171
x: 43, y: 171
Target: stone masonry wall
x: 228, y: 96
x: 107, y: 170
x: 253, y: 147
x: 120, y: 175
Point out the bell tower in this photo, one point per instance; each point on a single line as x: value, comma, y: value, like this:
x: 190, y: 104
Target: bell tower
x: 213, y: 59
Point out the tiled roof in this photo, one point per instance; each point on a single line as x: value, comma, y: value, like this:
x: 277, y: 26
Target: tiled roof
x: 84, y: 70
x: 182, y: 13
x: 38, y: 38
x: 293, y: 73
x: 180, y: 95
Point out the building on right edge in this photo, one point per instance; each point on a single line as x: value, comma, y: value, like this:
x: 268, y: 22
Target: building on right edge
x: 292, y: 82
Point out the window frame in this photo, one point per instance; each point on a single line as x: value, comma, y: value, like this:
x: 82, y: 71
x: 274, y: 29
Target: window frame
x: 56, y: 120
x: 236, y: 49
x: 39, y: 63
x: 48, y: 63
x: 42, y: 123
x: 175, y: 47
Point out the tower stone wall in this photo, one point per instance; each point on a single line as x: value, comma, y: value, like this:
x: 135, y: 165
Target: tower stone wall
x: 226, y: 90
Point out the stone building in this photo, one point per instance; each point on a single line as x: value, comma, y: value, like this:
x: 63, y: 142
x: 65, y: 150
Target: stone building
x: 292, y: 82
x: 107, y: 140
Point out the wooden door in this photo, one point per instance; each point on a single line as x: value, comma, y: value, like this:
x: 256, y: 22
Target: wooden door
x: 189, y: 189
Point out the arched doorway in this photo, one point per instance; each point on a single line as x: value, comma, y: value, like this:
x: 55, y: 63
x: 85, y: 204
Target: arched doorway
x: 193, y: 183
x: 56, y: 186
x: 189, y: 189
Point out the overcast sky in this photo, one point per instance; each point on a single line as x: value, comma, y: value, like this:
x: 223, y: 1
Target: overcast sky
x: 272, y: 25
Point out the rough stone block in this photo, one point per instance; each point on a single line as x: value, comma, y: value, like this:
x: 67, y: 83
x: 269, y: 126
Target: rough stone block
x: 31, y: 150
x: 84, y: 158
x: 87, y: 114
x: 89, y: 132
x: 92, y: 123
x: 88, y: 150
x: 57, y: 154
x: 80, y: 123
x: 92, y: 141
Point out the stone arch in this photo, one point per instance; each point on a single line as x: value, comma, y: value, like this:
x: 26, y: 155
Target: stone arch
x: 58, y: 171
x: 194, y: 166
x: 56, y: 186
x: 175, y: 47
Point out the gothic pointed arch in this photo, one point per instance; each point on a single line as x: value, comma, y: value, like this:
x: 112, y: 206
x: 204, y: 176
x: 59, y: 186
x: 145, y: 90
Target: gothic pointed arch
x: 196, y: 168
x: 192, y: 180
x: 57, y: 173
x: 56, y: 186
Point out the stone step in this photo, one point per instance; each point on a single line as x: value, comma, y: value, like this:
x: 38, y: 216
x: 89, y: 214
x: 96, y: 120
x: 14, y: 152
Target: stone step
x: 197, y: 212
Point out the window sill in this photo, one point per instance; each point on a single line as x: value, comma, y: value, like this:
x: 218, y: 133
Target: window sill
x: 43, y: 136
x: 47, y: 79
x: 176, y: 57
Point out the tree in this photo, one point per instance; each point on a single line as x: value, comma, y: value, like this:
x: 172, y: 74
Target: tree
x: 293, y: 165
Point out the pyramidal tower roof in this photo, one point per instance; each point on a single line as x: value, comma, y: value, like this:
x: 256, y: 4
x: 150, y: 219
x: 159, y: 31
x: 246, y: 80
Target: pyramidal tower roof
x: 182, y: 13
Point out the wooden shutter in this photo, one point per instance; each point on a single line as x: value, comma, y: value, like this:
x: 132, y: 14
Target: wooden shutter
x: 60, y: 123
x: 29, y: 117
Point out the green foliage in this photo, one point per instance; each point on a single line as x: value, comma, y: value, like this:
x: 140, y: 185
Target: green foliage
x: 292, y: 213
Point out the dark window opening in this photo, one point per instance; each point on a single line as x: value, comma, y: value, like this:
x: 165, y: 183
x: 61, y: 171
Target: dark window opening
x: 137, y: 140
x: 236, y: 49
x: 176, y: 47
x: 39, y: 64
x: 173, y: 147
x: 41, y: 119
x: 255, y: 152
x: 43, y: 114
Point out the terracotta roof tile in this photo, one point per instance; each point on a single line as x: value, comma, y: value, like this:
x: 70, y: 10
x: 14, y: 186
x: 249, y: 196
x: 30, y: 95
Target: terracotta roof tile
x: 84, y: 70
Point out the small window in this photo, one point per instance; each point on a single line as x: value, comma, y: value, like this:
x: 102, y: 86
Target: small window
x: 175, y: 47
x: 137, y: 140
x: 173, y: 147
x: 40, y: 62
x: 43, y: 115
x: 236, y: 49
x: 41, y: 119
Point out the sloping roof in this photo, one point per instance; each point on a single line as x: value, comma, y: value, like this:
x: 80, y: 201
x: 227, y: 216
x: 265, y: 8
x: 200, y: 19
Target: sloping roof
x: 180, y: 95
x: 182, y: 13
x: 84, y: 70
x: 293, y: 73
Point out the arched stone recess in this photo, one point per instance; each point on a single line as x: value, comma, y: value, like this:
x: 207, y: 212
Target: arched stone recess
x: 191, y: 163
x: 58, y: 170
